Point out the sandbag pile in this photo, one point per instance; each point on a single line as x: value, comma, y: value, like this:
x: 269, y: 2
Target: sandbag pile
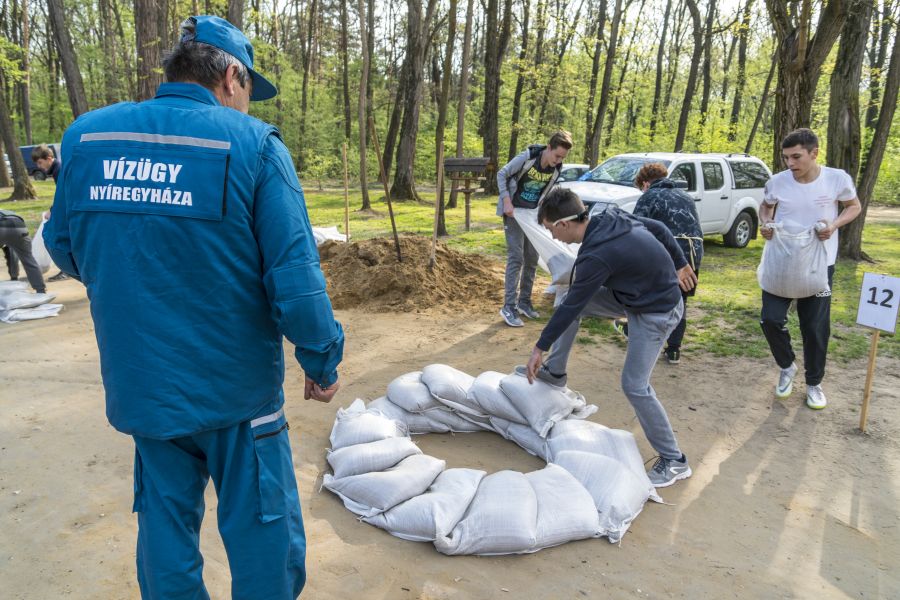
x: 18, y: 304
x: 593, y: 485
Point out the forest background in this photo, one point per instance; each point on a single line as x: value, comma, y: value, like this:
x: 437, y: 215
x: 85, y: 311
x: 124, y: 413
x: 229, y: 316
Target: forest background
x: 489, y: 77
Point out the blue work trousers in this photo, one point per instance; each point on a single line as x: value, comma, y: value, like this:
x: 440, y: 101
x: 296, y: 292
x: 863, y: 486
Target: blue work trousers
x: 258, y: 511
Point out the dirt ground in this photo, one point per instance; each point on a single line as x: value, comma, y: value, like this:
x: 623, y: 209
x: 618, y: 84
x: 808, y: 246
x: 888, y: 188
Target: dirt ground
x: 785, y: 502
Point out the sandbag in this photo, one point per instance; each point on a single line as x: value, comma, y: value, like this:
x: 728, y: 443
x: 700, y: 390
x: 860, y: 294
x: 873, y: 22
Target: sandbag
x: 451, y: 387
x: 23, y: 299
x: 617, y: 493
x: 565, y: 509
x: 369, y: 494
x: 554, y: 256
x: 354, y: 425
x: 522, y: 435
x: 39, y: 250
x: 793, y: 265
x: 542, y: 404
x: 30, y: 314
x: 436, y: 512
x: 436, y: 420
x: 409, y: 393
x: 8, y: 287
x: 486, y: 393
x: 502, y: 519
x: 374, y: 456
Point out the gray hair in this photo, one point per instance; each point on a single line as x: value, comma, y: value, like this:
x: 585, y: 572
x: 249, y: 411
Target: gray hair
x: 190, y: 60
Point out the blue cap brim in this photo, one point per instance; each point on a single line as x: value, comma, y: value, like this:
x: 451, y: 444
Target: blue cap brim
x: 263, y: 89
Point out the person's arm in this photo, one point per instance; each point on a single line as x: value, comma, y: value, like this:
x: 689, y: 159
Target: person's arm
x: 507, y: 172
x: 56, y: 232
x: 687, y: 278
x: 291, y: 273
x: 850, y: 210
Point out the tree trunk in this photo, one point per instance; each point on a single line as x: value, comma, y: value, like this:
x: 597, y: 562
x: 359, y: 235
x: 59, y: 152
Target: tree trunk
x: 692, y: 76
x: 587, y: 155
x: 236, y: 13
x: 442, y: 111
x: 463, y: 91
x: 877, y: 56
x: 149, y: 41
x: 674, y: 55
x: 22, y: 187
x: 538, y: 50
x: 66, y: 52
x: 390, y: 139
x: 851, y: 234
x: 571, y: 26
x: 615, y: 109
x: 764, y: 99
x: 5, y: 181
x: 494, y: 50
x: 345, y: 71
x: 110, y: 75
x: 743, y: 36
x: 25, y: 84
x: 597, y: 130
x: 307, y: 62
x: 520, y: 84
x: 660, y: 53
x: 361, y: 106
x: 707, y: 61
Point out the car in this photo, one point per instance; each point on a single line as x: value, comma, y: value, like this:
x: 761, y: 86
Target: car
x: 727, y: 188
x: 572, y: 171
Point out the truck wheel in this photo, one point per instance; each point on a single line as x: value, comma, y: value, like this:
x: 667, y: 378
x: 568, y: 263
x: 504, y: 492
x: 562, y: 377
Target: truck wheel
x: 741, y: 231
x: 39, y: 175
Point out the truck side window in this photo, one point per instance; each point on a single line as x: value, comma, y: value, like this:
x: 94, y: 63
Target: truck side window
x: 748, y: 175
x: 685, y: 173
x: 712, y: 176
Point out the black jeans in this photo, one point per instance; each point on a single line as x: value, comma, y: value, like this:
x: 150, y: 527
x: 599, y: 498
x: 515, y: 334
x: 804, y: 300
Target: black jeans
x: 814, y: 313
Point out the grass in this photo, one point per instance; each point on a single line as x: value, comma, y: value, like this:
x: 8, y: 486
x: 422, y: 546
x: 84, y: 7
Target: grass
x: 724, y: 315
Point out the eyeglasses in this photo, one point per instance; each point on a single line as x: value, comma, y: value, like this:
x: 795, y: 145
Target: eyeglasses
x: 564, y: 219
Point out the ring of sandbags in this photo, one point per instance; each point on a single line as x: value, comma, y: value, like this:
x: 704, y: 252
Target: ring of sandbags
x: 594, y: 484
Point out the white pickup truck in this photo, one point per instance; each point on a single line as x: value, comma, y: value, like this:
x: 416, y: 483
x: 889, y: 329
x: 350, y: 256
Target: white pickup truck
x: 727, y: 188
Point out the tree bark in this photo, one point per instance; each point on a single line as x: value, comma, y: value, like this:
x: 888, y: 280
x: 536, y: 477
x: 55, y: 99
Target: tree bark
x: 66, y: 52
x: 520, y: 84
x: 442, y: 111
x: 707, y: 61
x: 595, y: 75
x: 361, y: 106
x: 851, y: 235
x: 624, y: 70
x: 236, y: 13
x: 390, y: 139
x: 692, y: 75
x: 764, y: 99
x: 743, y: 36
x: 5, y: 181
x: 660, y: 53
x: 307, y: 62
x: 877, y: 57
x: 345, y: 71
x: 496, y: 40
x: 541, y: 18
x: 22, y: 187
x: 149, y: 41
x: 465, y: 66
x: 597, y: 130
x: 25, y: 84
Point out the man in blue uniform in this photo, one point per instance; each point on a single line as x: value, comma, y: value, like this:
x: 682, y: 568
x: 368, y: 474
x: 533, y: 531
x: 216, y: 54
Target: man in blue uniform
x: 185, y: 220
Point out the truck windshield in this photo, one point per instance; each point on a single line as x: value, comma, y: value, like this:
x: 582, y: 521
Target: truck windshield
x: 620, y: 170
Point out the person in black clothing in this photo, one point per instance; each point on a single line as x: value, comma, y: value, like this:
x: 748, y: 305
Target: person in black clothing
x: 17, y: 246
x: 675, y: 209
x: 48, y: 163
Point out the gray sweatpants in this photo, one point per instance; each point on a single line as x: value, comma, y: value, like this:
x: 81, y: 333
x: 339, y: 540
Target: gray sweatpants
x: 521, y: 259
x: 19, y: 244
x: 647, y: 332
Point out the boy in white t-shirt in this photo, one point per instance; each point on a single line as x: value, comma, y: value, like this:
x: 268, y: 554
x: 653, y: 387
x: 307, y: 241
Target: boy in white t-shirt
x: 801, y: 196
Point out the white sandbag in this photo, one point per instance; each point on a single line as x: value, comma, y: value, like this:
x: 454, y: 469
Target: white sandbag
x: 39, y: 250
x: 451, y: 387
x: 23, y: 299
x: 8, y: 287
x: 540, y: 403
x: 30, y: 314
x: 373, y: 493
x: 793, y: 265
x: 587, y: 436
x: 323, y: 234
x: 522, y: 435
x: 486, y: 393
x: 565, y: 509
x: 554, y: 256
x: 409, y: 393
x: 434, y: 513
x: 618, y: 494
x: 436, y: 420
x: 353, y: 425
x: 374, y: 456
x: 502, y: 519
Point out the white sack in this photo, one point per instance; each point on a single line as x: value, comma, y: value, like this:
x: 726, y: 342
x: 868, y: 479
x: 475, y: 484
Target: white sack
x: 540, y: 403
x: 353, y: 425
x: 30, y: 314
x: 323, y: 234
x: 566, y: 510
x: 618, y: 494
x: 374, y: 456
x: 523, y: 435
x: 434, y: 513
x: 486, y: 393
x: 8, y: 287
x: 451, y: 387
x: 436, y: 420
x: 502, y: 518
x: 409, y: 393
x: 369, y: 494
x: 793, y: 265
x: 39, y: 250
x: 24, y: 299
x: 556, y: 257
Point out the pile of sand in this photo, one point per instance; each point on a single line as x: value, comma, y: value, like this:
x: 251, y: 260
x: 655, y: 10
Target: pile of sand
x: 367, y: 275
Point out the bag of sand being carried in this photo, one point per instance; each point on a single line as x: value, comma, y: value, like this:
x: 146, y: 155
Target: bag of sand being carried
x: 793, y: 264
x: 354, y: 425
x: 543, y: 405
x: 435, y: 513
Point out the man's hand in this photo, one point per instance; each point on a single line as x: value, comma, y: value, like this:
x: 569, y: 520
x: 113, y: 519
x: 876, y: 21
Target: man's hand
x: 534, y: 363
x: 508, y: 207
x: 766, y: 230
x: 826, y: 231
x: 687, y: 279
x: 313, y: 391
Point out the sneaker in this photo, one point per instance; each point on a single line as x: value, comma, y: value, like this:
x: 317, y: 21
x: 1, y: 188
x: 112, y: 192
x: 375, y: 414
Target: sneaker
x: 526, y: 310
x: 666, y: 471
x: 786, y: 381
x: 621, y: 325
x: 673, y: 355
x: 815, y: 397
x: 59, y: 277
x: 544, y: 375
x: 509, y: 315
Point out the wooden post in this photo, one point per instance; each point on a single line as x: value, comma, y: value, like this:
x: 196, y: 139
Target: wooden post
x: 468, y: 204
x: 387, y: 193
x: 868, y: 389
x: 438, y: 200
x: 346, y: 197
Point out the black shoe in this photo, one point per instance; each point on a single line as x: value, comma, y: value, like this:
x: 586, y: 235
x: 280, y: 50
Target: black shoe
x: 673, y: 355
x: 59, y: 277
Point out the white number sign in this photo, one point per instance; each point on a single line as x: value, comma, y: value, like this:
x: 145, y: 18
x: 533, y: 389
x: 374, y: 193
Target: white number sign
x: 878, y: 302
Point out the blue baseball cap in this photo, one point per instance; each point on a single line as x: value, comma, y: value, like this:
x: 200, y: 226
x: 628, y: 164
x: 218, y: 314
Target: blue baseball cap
x: 218, y: 32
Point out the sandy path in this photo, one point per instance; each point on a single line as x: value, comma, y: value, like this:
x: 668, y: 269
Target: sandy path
x: 784, y: 502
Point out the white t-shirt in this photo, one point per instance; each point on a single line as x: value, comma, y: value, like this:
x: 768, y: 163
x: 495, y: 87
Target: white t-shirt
x: 801, y: 205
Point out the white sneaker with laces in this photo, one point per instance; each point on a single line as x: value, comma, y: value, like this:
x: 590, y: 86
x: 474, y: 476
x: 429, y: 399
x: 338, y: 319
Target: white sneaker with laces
x: 786, y: 382
x: 815, y: 397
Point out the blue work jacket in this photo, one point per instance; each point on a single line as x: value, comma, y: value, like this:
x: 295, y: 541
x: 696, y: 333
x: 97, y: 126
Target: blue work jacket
x: 187, y: 224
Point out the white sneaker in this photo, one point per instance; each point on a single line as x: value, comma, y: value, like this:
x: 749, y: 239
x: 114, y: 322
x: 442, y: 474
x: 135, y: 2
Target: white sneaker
x: 786, y: 381
x: 815, y: 397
